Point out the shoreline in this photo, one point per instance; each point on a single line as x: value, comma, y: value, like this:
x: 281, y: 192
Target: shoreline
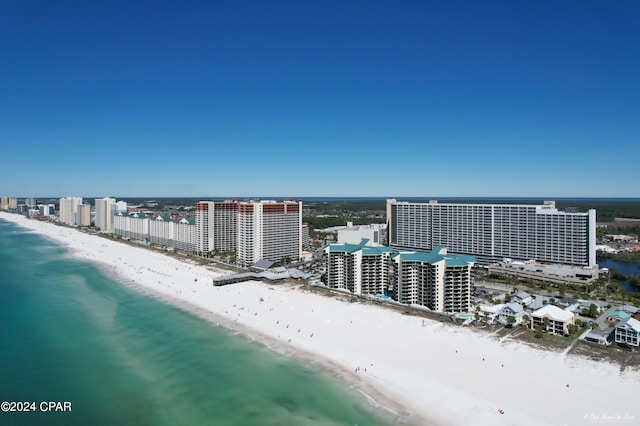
x: 421, y: 371
x: 374, y: 397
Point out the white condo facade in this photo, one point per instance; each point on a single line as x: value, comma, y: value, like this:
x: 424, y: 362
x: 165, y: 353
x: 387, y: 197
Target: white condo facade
x: 185, y: 235
x: 217, y: 227
x: 83, y: 215
x: 358, y: 268
x: 254, y: 230
x: 134, y: 226
x: 68, y: 209
x: 104, y: 214
x: 437, y: 280
x: 160, y: 230
x: 269, y: 230
x: 175, y: 234
x: 493, y: 232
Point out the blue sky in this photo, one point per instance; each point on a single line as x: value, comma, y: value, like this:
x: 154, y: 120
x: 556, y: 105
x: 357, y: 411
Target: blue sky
x: 331, y: 98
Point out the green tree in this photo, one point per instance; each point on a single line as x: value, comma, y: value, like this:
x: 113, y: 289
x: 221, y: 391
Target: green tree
x: 593, y: 310
x: 538, y: 332
x: 562, y: 289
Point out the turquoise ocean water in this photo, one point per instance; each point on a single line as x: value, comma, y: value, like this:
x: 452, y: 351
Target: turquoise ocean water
x: 68, y: 333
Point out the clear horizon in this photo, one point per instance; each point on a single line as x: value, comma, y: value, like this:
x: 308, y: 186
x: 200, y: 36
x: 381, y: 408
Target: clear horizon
x: 491, y: 99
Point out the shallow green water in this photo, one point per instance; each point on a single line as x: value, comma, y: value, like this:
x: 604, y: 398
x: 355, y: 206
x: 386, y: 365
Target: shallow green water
x: 68, y: 333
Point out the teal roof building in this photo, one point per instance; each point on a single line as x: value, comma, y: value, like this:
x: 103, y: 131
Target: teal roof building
x: 436, y: 280
x: 358, y: 268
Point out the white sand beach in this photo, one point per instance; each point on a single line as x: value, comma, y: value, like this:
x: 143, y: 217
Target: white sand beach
x: 424, y: 371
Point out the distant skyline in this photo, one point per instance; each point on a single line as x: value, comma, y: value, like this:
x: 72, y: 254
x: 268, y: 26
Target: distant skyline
x: 320, y: 99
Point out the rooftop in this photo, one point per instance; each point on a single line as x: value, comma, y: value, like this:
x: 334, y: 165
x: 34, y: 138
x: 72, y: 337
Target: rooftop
x: 554, y: 313
x: 438, y: 254
x: 631, y: 322
x: 352, y: 248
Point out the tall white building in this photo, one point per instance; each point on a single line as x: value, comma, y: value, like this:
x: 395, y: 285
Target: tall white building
x: 254, y: 230
x: 217, y: 228
x: 269, y: 230
x: 104, y: 214
x: 120, y: 207
x: 46, y: 210
x: 359, y: 268
x: 436, y: 280
x: 68, y: 209
x: 83, y: 215
x: 4, y: 204
x: 492, y: 232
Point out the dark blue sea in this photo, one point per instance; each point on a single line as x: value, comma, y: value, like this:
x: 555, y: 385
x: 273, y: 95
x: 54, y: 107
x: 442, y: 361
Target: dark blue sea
x: 70, y: 334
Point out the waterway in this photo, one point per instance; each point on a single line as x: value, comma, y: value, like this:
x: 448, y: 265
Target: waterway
x: 627, y: 268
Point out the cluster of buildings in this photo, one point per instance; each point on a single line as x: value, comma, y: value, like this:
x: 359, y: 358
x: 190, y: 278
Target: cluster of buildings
x: 248, y: 230
x: 29, y: 208
x: 431, y: 249
x: 423, y: 256
x: 74, y: 211
x: 253, y: 230
x: 550, y: 318
x: 436, y: 280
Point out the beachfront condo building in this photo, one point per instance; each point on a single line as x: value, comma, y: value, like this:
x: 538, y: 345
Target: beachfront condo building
x: 134, y: 226
x: 216, y: 224
x: 254, y: 230
x: 493, y: 232
x: 47, y: 210
x: 358, y: 268
x: 306, y: 238
x: 437, y: 280
x: 83, y: 215
x: 13, y: 204
x: 173, y: 234
x: 269, y: 230
x: 4, y: 204
x: 225, y: 226
x: 552, y: 319
x: 627, y: 332
x: 68, y: 209
x: 161, y: 231
x: 185, y: 236
x: 104, y: 214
